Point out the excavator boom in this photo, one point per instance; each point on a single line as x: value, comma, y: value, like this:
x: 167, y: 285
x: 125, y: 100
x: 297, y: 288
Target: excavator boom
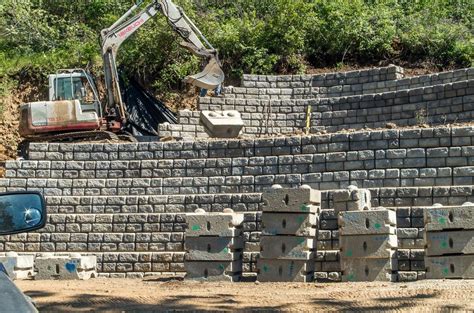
x: 112, y: 38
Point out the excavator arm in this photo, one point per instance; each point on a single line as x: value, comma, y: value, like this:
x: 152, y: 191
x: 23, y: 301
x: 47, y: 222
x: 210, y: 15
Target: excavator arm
x: 124, y: 27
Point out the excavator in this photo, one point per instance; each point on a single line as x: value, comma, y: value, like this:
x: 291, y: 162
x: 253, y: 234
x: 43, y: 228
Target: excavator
x: 74, y: 109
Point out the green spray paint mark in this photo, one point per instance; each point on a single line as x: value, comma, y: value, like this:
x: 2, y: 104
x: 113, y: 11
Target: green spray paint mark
x: 349, y: 253
x: 196, y: 227
x: 301, y: 240
x: 304, y: 208
x: 445, y: 271
x: 221, y: 267
x: 351, y: 277
x: 442, y: 220
x: 225, y: 250
x: 265, y: 268
x: 444, y: 244
x: 377, y: 226
x: 300, y: 219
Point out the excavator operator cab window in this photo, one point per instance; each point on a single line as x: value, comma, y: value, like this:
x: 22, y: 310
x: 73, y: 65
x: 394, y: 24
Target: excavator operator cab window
x: 74, y: 88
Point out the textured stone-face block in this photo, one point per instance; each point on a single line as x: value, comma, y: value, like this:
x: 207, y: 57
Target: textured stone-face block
x: 351, y: 199
x: 300, y: 200
x: 214, y: 248
x: 284, y: 271
x: 214, y: 224
x: 362, y: 269
x: 449, y: 242
x: 287, y: 247
x: 222, y: 124
x: 444, y: 218
x: 297, y: 224
x: 65, y: 267
x: 213, y: 271
x: 18, y: 266
x: 367, y: 222
x: 367, y: 246
x: 459, y: 266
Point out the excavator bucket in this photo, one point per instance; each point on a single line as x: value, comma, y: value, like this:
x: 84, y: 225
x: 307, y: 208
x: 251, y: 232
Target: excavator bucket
x: 211, y: 77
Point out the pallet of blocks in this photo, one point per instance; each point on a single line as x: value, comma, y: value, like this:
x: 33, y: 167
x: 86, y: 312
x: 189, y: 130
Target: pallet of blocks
x: 214, y: 245
x: 368, y: 244
x: 288, y: 239
x: 449, y: 237
x: 65, y: 267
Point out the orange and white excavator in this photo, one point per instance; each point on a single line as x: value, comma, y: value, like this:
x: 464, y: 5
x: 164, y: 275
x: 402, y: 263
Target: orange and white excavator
x: 74, y: 109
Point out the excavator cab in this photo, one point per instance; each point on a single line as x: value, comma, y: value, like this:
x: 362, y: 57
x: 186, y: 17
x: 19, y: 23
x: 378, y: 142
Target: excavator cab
x: 75, y: 84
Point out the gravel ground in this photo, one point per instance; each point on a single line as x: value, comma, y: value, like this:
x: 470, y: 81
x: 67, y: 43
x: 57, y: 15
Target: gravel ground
x: 160, y: 294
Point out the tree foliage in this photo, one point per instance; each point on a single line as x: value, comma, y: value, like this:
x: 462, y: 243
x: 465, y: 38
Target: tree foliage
x: 253, y: 36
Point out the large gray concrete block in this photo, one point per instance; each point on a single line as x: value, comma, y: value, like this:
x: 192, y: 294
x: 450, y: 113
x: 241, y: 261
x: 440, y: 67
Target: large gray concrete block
x: 18, y: 266
x: 367, y: 222
x: 222, y: 124
x: 453, y: 217
x: 368, y: 246
x: 65, y: 267
x: 449, y: 242
x: 214, y: 224
x: 213, y: 271
x: 301, y: 200
x: 285, y: 270
x: 459, y: 266
x: 287, y: 247
x: 297, y: 224
x: 213, y: 248
x: 362, y: 269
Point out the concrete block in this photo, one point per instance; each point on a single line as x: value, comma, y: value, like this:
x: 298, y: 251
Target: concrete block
x: 407, y: 276
x: 65, y: 267
x: 449, y: 242
x: 222, y: 124
x: 213, y: 248
x: 297, y: 224
x: 18, y: 266
x: 362, y: 269
x: 459, y: 266
x: 453, y: 217
x: 213, y: 271
x: 368, y: 246
x: 214, y: 224
x: 285, y: 270
x: 367, y: 222
x: 300, y: 200
x: 287, y: 247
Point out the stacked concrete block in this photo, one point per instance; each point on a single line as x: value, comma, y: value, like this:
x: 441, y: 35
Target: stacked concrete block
x: 288, y: 241
x: 18, y: 266
x: 449, y: 236
x: 65, y: 267
x: 328, y: 266
x: 368, y: 244
x: 351, y: 199
x: 214, y: 245
x: 411, y: 264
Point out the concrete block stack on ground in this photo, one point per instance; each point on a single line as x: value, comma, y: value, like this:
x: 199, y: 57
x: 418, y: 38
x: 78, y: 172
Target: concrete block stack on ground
x: 65, y: 267
x: 368, y: 244
x: 288, y: 241
x: 449, y: 236
x: 18, y: 266
x: 214, y: 244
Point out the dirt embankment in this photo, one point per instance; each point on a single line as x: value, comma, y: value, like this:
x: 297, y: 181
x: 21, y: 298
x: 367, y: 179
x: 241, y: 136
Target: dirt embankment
x: 9, y: 119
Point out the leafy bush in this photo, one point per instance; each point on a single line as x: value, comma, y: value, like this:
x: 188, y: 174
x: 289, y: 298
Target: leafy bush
x: 253, y: 36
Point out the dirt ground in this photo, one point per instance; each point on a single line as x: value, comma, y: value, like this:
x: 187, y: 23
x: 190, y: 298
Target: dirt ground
x: 159, y: 294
